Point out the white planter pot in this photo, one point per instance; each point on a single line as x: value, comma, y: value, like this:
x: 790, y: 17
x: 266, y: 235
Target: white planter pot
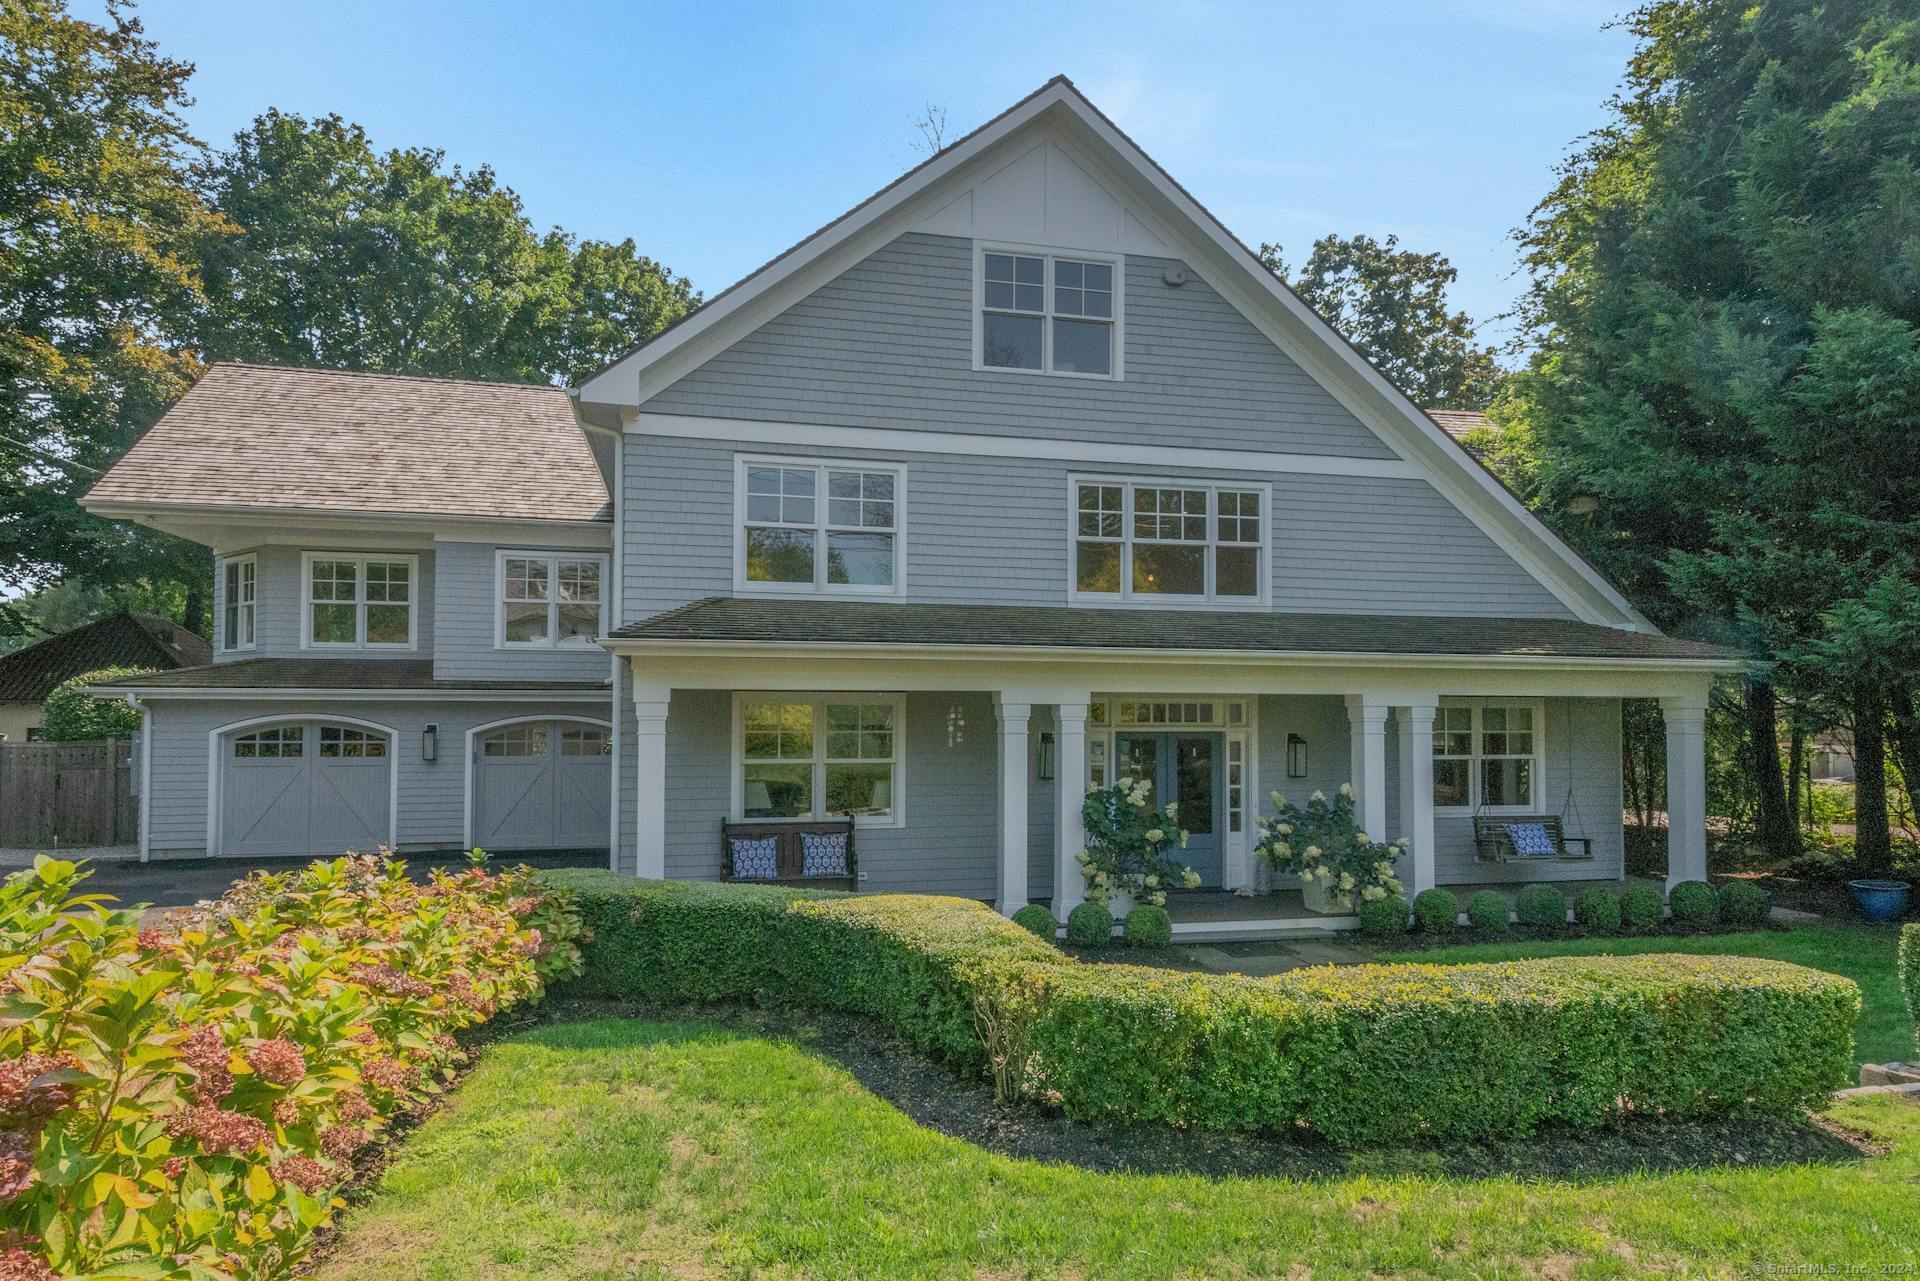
x: 1119, y: 904
x: 1318, y: 897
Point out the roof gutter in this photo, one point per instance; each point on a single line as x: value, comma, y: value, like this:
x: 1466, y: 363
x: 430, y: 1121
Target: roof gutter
x: 231, y: 692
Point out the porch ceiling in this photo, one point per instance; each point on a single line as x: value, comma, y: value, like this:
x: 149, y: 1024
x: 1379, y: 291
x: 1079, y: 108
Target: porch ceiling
x: 722, y: 620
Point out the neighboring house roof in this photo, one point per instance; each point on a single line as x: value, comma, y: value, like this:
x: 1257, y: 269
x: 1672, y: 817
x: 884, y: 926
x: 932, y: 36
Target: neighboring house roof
x: 720, y: 619
x: 1206, y: 243
x: 1458, y: 422
x: 328, y: 673
x: 124, y: 640
x: 279, y: 438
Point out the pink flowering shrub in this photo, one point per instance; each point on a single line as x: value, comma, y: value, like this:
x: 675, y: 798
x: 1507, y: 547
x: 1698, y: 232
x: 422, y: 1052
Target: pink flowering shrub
x: 183, y: 1101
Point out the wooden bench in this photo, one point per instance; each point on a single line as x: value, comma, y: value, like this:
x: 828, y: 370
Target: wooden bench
x: 1493, y: 844
x: 788, y: 856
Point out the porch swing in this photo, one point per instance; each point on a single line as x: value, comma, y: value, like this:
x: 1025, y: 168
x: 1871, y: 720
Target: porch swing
x: 1531, y: 838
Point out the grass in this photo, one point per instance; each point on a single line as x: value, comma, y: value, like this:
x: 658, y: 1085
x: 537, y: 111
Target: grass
x: 619, y: 1148
x: 1862, y: 953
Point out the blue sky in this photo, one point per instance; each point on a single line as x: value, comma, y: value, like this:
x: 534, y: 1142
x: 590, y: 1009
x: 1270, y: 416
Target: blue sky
x: 716, y: 135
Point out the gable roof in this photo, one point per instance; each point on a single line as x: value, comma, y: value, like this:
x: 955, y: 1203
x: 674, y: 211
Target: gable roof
x: 125, y: 639
x: 1231, y: 267
x: 277, y: 437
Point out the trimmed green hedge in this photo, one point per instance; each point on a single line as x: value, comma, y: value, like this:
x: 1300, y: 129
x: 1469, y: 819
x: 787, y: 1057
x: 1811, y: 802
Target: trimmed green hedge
x: 1359, y: 1054
x: 1910, y: 976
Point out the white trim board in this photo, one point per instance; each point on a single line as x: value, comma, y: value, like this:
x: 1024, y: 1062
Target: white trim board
x: 982, y: 445
x: 237, y: 694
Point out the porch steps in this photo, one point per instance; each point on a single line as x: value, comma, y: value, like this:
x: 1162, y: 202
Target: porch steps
x: 1260, y: 931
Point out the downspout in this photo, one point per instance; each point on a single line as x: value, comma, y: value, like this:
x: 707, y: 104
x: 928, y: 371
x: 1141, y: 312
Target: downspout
x: 146, y: 771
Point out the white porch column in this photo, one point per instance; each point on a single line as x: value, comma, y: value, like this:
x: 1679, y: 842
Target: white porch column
x: 1416, y: 792
x: 1686, y: 719
x: 1367, y: 721
x: 650, y: 775
x: 1070, y: 794
x: 1013, y: 803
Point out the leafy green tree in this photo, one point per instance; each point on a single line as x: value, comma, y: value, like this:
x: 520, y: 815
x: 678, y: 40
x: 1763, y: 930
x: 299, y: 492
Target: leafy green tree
x: 1713, y: 262
x: 1391, y: 303
x: 351, y: 258
x: 71, y: 715
x: 99, y: 233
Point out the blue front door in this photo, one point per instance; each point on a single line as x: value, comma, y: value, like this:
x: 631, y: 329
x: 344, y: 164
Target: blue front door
x: 1186, y: 768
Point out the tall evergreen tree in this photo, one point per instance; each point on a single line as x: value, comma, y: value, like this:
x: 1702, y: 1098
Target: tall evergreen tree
x: 1744, y: 231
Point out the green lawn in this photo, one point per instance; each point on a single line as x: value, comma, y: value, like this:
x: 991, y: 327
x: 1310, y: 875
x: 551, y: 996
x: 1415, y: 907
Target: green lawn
x: 615, y: 1148
x: 1862, y: 953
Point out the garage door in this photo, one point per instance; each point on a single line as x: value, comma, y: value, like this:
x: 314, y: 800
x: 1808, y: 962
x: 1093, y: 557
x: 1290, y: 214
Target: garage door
x: 541, y: 785
x: 305, y: 787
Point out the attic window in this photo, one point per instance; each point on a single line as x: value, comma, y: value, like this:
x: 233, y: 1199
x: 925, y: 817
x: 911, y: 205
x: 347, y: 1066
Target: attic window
x: 1047, y: 314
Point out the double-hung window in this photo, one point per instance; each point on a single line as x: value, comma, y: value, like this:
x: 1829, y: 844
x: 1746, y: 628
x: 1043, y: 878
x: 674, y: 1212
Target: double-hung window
x: 1488, y: 755
x: 1049, y: 314
x: 819, y: 526
x: 817, y: 757
x: 239, y: 576
x: 1168, y: 542
x: 358, y: 601
x: 549, y: 598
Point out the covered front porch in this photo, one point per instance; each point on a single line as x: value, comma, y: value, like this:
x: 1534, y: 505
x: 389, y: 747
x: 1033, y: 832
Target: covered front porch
x: 964, y: 754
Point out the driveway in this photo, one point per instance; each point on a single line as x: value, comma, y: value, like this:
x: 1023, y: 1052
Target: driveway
x: 179, y: 882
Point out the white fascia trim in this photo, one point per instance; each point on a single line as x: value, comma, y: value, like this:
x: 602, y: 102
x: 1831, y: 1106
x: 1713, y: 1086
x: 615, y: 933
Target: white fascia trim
x: 228, y: 694
x: 112, y: 510
x: 1102, y: 654
x: 1083, y: 452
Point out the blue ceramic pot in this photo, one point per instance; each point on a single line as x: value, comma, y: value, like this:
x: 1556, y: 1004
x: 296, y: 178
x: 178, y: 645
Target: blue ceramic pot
x: 1880, y: 901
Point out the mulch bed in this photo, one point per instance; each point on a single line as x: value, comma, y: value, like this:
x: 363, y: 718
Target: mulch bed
x: 966, y: 1110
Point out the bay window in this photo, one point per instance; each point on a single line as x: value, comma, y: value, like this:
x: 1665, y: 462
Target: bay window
x: 358, y: 601
x: 549, y: 598
x: 1168, y: 542
x: 799, y: 756
x: 819, y: 526
x: 1489, y: 755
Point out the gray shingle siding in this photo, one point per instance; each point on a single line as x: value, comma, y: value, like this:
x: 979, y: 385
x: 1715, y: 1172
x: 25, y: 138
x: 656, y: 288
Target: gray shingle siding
x: 464, y: 623
x: 994, y: 531
x: 890, y: 344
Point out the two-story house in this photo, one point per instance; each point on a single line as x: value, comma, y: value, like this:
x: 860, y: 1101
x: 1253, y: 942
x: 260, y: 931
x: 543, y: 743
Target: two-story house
x: 1022, y: 475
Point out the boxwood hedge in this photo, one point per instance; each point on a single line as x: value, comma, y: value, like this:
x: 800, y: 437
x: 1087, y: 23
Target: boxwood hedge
x: 1359, y: 1054
x: 1910, y: 976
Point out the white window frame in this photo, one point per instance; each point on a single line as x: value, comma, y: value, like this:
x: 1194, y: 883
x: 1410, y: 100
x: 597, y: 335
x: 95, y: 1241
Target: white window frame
x: 737, y: 756
x: 821, y: 527
x: 1126, y: 597
x: 249, y: 606
x: 1049, y: 253
x: 1539, y: 757
x: 360, y: 641
x: 553, y: 558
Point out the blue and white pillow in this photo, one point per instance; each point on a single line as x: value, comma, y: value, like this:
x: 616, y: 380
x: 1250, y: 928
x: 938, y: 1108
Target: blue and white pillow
x: 1530, y: 840
x: 823, y: 853
x: 755, y: 858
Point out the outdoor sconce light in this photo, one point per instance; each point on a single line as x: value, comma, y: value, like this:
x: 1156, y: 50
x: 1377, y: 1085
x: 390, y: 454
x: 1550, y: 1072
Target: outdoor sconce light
x: 1296, y: 756
x: 430, y: 743
x: 1044, y: 765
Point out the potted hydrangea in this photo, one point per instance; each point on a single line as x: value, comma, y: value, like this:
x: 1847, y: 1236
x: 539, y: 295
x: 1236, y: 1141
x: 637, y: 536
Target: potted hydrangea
x: 1128, y: 858
x: 1338, y: 864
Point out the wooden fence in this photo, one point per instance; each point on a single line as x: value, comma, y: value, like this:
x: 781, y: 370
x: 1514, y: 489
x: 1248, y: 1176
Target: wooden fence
x: 67, y: 795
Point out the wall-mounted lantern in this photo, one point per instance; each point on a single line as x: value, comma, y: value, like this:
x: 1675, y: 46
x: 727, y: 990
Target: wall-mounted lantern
x: 430, y: 743
x: 1296, y: 756
x: 1043, y: 764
